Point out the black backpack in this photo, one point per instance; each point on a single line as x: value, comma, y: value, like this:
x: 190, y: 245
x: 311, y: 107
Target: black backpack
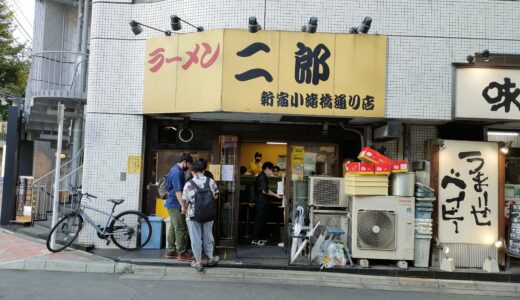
x: 204, y: 209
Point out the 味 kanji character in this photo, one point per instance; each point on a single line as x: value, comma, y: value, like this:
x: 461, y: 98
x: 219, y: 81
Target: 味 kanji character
x: 368, y: 103
x: 340, y: 101
x: 483, y: 213
x: 311, y: 64
x: 326, y: 101
x: 354, y: 102
x: 283, y: 99
x: 446, y: 180
x: 458, y: 199
x: 267, y: 99
x: 311, y: 100
x: 504, y: 97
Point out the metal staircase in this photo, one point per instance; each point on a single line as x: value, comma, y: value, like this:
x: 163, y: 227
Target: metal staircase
x: 43, y: 188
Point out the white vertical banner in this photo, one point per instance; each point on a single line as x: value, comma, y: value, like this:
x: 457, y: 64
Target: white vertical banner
x: 468, y: 192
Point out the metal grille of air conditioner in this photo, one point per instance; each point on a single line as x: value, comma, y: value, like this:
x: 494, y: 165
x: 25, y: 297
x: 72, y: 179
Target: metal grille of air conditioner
x: 326, y: 192
x: 376, y: 230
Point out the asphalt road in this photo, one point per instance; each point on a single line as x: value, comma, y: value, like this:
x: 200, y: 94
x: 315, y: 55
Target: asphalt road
x: 16, y: 284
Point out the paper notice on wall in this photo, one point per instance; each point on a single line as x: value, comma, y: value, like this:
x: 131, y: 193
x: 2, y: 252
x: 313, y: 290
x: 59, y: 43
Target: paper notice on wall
x: 298, y: 153
x: 468, y: 192
x: 134, y: 165
x: 215, y: 170
x: 228, y: 172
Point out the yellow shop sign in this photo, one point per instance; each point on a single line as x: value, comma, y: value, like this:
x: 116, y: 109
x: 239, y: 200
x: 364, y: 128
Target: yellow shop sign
x: 292, y: 73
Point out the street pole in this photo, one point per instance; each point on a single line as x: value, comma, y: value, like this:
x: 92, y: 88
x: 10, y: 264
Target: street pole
x: 56, y: 195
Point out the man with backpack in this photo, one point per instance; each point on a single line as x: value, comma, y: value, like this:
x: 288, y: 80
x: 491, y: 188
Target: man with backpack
x: 177, y: 237
x: 200, y: 194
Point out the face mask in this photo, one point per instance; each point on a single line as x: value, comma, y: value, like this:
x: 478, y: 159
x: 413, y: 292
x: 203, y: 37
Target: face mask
x: 258, y: 159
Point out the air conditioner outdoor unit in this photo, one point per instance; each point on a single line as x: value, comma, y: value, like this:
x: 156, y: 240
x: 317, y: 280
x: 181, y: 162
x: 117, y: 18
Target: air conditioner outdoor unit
x: 381, y: 227
x: 327, y: 192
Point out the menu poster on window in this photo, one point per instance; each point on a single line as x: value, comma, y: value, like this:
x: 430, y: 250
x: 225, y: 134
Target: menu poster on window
x: 215, y: 170
x: 309, y: 163
x: 297, y: 157
x: 228, y: 172
x: 513, y: 245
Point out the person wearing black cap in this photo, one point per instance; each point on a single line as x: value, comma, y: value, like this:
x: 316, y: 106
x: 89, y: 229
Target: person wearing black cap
x: 255, y: 167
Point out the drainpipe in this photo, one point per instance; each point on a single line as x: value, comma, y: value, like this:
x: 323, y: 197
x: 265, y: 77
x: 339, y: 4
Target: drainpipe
x: 57, y: 174
x: 81, y: 47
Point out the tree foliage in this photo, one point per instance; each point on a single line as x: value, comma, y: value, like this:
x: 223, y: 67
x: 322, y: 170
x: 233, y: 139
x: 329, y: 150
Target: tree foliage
x: 14, y: 68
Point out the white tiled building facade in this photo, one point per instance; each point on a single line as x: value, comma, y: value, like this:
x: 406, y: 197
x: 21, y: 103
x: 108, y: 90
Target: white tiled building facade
x: 424, y: 38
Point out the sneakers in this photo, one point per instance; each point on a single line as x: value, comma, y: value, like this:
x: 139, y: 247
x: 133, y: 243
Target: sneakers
x: 259, y: 242
x: 186, y: 256
x: 197, y: 266
x: 172, y: 255
x: 213, y: 261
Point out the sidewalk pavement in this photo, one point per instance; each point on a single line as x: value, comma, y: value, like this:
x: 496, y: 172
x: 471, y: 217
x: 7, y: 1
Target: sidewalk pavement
x: 19, y: 252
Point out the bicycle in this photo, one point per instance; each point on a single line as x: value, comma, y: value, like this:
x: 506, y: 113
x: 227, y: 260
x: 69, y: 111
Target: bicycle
x: 127, y: 230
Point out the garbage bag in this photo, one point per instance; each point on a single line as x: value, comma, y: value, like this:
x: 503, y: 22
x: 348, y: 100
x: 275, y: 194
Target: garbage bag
x: 334, y: 255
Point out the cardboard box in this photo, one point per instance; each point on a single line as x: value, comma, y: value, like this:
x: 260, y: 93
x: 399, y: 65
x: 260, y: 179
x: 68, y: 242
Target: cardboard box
x: 380, y: 168
x: 399, y: 166
x: 359, y: 168
x: 368, y: 154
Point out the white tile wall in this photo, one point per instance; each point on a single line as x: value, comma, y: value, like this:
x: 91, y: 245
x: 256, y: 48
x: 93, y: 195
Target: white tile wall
x: 425, y: 38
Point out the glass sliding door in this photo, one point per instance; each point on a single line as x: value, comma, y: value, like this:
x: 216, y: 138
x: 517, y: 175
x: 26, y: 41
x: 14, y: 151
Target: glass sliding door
x: 228, y: 200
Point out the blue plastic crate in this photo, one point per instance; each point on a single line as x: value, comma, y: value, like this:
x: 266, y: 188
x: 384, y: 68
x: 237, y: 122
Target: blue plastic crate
x: 157, y: 233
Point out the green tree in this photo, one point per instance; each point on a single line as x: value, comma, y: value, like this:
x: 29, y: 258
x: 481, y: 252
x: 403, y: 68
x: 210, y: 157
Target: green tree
x: 14, y: 68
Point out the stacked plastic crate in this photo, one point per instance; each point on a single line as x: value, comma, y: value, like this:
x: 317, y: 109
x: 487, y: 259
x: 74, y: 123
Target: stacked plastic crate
x: 424, y: 198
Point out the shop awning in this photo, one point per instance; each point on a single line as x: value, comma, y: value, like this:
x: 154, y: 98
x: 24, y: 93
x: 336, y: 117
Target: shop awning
x: 268, y: 72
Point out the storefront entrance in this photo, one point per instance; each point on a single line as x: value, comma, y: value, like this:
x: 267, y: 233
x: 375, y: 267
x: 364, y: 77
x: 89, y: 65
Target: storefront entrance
x: 230, y: 151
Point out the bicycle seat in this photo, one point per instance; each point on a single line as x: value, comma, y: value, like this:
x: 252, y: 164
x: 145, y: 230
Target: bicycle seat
x: 116, y: 201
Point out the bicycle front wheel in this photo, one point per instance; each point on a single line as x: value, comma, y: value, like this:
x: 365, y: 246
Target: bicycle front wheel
x: 130, y: 230
x: 64, y: 232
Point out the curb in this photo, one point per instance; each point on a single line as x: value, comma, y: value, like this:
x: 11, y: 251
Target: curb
x: 341, y: 280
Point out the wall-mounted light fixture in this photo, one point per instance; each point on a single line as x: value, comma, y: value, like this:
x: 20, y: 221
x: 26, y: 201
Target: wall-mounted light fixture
x: 502, y: 133
x: 505, y: 146
x: 137, y: 28
x: 470, y: 59
x: 364, y: 27
x: 312, y: 26
x: 486, y: 56
x: 440, y: 143
x: 253, y: 25
x: 175, y: 22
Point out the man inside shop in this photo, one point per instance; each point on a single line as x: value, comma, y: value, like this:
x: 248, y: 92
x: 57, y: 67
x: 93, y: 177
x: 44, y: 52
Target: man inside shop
x: 255, y: 167
x: 262, y: 203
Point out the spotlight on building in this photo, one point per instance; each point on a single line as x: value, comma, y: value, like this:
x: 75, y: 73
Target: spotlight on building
x: 364, y: 27
x: 137, y: 28
x: 486, y: 56
x: 176, y: 24
x: 470, y: 59
x: 505, y: 146
x: 253, y: 25
x: 312, y: 26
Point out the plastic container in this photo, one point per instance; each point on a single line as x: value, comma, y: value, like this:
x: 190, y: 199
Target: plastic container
x: 422, y: 250
x: 157, y: 233
x: 423, y: 214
